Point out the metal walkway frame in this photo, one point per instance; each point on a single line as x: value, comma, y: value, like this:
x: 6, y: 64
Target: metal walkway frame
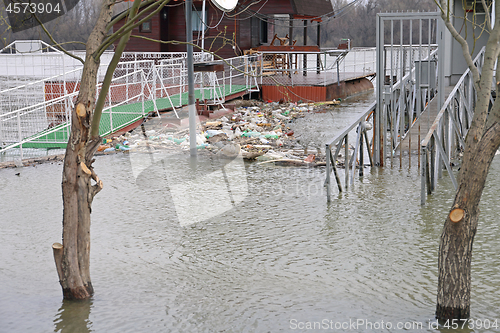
x: 139, y: 87
x: 446, y: 137
x: 404, y: 93
x: 405, y: 83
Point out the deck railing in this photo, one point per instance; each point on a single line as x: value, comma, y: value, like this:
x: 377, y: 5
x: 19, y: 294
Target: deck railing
x: 363, y: 124
x: 143, y: 86
x: 24, y: 128
x: 327, y: 66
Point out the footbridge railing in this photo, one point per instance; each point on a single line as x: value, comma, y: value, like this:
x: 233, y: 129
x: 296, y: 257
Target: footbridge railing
x: 440, y: 149
x: 350, y: 160
x: 446, y: 137
x: 47, y: 124
x: 138, y: 88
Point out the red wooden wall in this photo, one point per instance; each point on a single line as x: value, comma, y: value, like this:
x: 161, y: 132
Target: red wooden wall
x: 170, y: 25
x: 139, y: 44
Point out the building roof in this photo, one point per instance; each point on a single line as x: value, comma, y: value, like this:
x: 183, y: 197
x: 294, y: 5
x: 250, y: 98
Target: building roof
x: 312, y: 8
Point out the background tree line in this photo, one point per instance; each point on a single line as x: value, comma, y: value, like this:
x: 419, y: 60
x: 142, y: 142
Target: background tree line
x: 355, y: 22
x: 74, y: 26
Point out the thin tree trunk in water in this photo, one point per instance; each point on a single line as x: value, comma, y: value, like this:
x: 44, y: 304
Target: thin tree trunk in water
x: 455, y: 250
x: 482, y: 142
x: 72, y: 258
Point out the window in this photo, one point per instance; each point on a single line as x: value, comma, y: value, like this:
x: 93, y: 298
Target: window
x: 196, y: 20
x: 263, y: 32
x: 259, y: 32
x: 145, y: 26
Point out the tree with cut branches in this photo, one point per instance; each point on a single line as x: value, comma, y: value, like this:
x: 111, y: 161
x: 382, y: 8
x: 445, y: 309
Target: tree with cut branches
x: 80, y: 182
x: 481, y: 144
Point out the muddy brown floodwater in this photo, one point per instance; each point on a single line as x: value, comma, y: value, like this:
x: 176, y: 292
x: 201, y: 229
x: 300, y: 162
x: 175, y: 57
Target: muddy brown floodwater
x: 232, y: 246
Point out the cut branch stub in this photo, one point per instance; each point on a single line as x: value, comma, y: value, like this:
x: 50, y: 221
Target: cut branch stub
x: 80, y: 110
x: 85, y: 169
x: 456, y: 215
x: 57, y: 248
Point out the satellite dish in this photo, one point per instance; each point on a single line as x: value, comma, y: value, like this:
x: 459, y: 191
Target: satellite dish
x: 225, y: 5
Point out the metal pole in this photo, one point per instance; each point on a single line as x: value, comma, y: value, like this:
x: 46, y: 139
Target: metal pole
x: 361, y: 152
x: 328, y: 153
x: 423, y: 176
x: 318, y: 38
x: 190, y: 70
x: 346, y: 162
x: 305, y: 54
x: 203, y: 32
x: 378, y: 123
x: 441, y: 92
x: 338, y: 73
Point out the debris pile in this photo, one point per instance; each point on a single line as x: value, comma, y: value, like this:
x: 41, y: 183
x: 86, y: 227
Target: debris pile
x: 261, y: 132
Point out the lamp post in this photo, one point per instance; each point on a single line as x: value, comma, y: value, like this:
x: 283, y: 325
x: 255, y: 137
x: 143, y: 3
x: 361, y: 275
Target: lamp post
x: 224, y: 5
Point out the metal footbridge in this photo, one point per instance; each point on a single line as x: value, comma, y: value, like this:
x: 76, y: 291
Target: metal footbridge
x: 37, y: 103
x: 415, y: 116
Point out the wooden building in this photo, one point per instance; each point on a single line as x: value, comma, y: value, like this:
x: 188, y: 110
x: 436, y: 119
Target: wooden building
x: 249, y: 25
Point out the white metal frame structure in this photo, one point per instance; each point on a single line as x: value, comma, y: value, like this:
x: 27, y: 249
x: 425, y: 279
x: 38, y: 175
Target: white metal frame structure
x: 139, y: 78
x: 446, y: 137
x: 401, y: 42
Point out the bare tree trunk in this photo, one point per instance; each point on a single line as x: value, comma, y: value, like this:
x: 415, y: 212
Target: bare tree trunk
x: 455, y: 250
x: 72, y: 258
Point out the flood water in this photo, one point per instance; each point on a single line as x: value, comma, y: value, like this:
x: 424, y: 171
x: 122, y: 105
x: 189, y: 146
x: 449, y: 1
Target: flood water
x: 227, y: 246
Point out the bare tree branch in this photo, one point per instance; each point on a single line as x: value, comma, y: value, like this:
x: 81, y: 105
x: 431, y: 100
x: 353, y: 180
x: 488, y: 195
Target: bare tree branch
x: 56, y: 44
x: 486, y: 10
x: 96, y: 119
x: 130, y: 25
x: 125, y: 13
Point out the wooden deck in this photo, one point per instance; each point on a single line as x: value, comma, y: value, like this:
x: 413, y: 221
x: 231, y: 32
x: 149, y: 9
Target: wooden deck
x: 312, y: 79
x: 314, y: 87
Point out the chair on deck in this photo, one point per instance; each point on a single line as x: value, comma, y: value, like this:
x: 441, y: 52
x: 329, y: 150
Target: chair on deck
x: 282, y: 61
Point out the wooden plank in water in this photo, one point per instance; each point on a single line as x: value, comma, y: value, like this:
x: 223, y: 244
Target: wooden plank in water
x: 422, y: 125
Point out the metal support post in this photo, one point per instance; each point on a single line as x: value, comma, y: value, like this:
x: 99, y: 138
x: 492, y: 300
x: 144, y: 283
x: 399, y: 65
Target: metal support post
x: 190, y: 70
x: 328, y: 171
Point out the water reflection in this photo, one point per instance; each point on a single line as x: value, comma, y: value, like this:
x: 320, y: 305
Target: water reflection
x: 73, y: 317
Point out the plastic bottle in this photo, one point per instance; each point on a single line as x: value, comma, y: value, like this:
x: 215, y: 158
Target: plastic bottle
x: 178, y: 141
x: 122, y: 147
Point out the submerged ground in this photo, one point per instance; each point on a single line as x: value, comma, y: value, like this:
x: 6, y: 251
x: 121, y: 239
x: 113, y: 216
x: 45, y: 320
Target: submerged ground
x: 272, y: 256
